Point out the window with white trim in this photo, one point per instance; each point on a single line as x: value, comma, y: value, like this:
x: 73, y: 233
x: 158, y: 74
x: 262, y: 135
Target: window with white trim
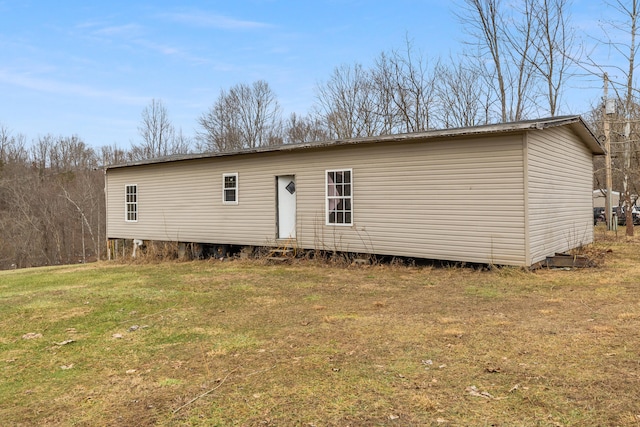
x: 131, y: 202
x: 338, y: 189
x: 230, y: 188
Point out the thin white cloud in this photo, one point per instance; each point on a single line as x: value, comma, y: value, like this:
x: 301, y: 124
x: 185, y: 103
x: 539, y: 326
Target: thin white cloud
x: 134, y: 35
x: 127, y: 30
x: 168, y: 50
x: 38, y: 84
x: 160, y: 48
x: 104, y: 29
x: 212, y: 20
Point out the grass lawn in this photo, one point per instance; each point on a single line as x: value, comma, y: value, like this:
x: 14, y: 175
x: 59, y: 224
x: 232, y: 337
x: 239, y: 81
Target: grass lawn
x: 213, y: 343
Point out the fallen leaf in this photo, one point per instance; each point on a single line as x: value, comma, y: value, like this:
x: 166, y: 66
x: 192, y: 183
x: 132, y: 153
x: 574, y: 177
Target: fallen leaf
x: 66, y: 367
x: 65, y: 342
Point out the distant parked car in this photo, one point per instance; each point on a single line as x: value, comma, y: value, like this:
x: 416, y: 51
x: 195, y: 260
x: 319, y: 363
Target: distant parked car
x: 622, y: 218
x: 598, y: 216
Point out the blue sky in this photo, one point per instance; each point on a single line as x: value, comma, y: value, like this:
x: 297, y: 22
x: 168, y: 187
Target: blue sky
x: 89, y: 68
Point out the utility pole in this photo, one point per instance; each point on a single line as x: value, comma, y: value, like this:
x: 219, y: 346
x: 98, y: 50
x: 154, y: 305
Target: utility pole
x: 608, y: 111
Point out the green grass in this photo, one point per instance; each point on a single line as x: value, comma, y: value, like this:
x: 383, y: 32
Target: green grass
x: 243, y: 343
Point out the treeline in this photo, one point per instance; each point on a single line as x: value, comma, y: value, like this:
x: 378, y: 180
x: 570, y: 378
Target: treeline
x: 51, y: 201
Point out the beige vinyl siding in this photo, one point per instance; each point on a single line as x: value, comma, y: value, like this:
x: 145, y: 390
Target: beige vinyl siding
x: 459, y: 200
x: 453, y: 200
x: 559, y: 192
x: 182, y: 201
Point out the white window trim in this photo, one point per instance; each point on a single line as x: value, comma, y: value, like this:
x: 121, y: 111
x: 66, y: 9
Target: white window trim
x: 127, y: 203
x: 237, y: 189
x: 326, y: 198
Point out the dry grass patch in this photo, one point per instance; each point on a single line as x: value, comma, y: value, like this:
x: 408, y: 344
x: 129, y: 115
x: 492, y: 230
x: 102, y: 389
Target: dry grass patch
x: 628, y: 316
x: 241, y: 343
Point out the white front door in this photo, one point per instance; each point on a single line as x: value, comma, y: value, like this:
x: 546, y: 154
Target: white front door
x: 286, y: 206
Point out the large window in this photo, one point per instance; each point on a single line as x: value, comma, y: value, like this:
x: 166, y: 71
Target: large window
x: 230, y: 188
x: 339, y: 193
x: 131, y: 202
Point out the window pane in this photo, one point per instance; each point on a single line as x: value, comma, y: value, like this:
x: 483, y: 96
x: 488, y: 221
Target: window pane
x: 229, y: 182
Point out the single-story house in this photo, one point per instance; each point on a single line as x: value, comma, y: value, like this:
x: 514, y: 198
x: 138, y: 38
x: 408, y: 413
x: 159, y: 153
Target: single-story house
x: 504, y: 194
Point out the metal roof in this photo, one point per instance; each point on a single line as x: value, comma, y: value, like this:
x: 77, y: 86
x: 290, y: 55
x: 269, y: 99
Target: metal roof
x: 577, y: 124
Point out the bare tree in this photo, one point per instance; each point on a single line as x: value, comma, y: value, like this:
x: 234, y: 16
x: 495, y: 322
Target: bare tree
x: 630, y: 107
x: 483, y: 22
x: 522, y: 58
x: 507, y: 39
x: 71, y: 154
x: 13, y: 149
x: 348, y: 103
x: 41, y: 153
x: 622, y: 39
x: 396, y: 95
x: 180, y: 143
x: 462, y: 96
x: 155, y: 129
x: 83, y: 193
x: 406, y: 85
x: 303, y: 129
x: 246, y: 116
x: 111, y: 155
x: 159, y: 137
x: 553, y: 47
